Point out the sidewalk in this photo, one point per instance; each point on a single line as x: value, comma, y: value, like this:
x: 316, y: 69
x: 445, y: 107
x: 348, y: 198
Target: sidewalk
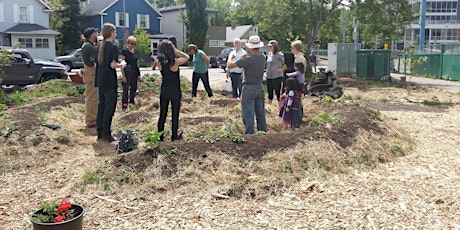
x: 451, y: 86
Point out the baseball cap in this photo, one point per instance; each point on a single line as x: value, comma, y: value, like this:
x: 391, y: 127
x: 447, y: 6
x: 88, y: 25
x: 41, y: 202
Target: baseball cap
x: 89, y: 31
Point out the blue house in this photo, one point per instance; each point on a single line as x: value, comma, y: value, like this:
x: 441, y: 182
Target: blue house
x: 124, y: 14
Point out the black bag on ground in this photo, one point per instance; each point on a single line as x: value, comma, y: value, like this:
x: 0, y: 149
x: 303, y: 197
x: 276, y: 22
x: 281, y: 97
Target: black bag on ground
x: 126, y: 141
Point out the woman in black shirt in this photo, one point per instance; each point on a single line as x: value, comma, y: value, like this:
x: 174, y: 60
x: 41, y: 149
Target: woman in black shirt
x: 170, y: 86
x: 106, y: 81
x: 130, y: 74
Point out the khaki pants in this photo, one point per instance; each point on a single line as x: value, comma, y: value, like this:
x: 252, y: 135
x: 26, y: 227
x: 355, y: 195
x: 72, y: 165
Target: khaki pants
x: 91, y: 95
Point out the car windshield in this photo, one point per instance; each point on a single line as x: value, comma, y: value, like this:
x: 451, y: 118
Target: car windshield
x: 75, y: 51
x: 226, y: 51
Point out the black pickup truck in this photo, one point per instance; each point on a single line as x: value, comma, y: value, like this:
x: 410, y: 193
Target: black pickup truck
x: 24, y: 70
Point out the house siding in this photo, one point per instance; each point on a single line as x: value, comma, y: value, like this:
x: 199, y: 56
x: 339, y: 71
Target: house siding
x: 172, y: 24
x: 215, y: 33
x: 133, y: 9
x: 39, y: 16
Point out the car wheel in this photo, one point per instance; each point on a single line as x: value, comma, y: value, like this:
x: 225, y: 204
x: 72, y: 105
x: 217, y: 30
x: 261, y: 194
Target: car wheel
x: 68, y: 66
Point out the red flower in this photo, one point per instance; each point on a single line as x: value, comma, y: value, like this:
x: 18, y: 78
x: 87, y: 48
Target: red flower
x: 65, y: 204
x: 149, y: 94
x: 59, y: 219
x: 231, y: 106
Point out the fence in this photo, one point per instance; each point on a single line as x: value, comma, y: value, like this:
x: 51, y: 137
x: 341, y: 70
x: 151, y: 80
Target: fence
x: 440, y: 61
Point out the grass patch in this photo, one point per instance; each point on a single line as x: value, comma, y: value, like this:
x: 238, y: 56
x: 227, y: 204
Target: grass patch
x: 93, y: 177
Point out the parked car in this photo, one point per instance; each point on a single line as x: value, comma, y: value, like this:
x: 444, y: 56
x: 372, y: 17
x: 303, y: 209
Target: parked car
x: 223, y: 56
x: 213, y: 61
x: 71, y: 61
x: 24, y: 70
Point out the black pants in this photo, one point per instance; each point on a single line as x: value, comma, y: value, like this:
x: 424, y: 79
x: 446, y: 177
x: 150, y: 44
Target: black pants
x: 205, y: 79
x: 274, y: 85
x: 175, y: 99
x: 129, y: 87
x: 105, y: 110
x: 236, y: 84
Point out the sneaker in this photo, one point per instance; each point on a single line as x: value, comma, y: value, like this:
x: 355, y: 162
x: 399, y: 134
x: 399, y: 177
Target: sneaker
x: 179, y: 137
x: 108, y: 138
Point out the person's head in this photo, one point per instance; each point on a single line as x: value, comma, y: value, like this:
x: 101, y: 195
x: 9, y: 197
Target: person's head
x: 299, y: 66
x: 166, y: 54
x: 273, y: 46
x: 291, y: 84
x: 109, y: 32
x: 131, y: 42
x: 237, y: 43
x: 296, y: 47
x: 91, y: 34
x: 312, y: 52
x: 192, y: 48
x: 254, y: 43
x: 173, y: 40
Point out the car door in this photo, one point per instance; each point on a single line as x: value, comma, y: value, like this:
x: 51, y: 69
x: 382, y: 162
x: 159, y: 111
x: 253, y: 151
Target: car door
x: 77, y: 62
x: 20, y: 71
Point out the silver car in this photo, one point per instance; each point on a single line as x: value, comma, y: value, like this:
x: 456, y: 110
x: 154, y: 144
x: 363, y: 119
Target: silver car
x: 71, y: 61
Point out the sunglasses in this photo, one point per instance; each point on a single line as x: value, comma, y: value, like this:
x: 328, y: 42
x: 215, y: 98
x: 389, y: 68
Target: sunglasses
x: 134, y: 43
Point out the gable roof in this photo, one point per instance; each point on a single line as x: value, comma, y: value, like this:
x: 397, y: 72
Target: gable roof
x: 46, y: 5
x: 98, y: 7
x: 26, y: 28
x: 182, y: 7
x: 238, y: 32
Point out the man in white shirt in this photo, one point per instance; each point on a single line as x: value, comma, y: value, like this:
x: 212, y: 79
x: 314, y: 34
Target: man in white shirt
x: 235, y: 73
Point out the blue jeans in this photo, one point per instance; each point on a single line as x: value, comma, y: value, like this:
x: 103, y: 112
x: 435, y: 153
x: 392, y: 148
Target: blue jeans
x: 253, y: 104
x: 236, y: 84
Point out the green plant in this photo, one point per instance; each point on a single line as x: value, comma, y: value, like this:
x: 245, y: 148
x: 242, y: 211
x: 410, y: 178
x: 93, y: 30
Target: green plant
x: 232, y: 131
x: 398, y: 147
x: 305, y: 166
x: 6, y: 116
x: 323, y: 134
x: 326, y: 98
x: 323, y: 164
x: 354, y: 160
x: 375, y: 115
x: 54, y: 212
x: 2, y: 107
x: 42, y: 118
x: 9, y: 129
x: 285, y: 167
x: 238, y: 138
x: 17, y: 98
x: 436, y: 102
x: 91, y: 177
x: 153, y: 137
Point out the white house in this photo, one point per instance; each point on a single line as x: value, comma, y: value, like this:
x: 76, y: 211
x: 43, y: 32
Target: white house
x: 26, y: 22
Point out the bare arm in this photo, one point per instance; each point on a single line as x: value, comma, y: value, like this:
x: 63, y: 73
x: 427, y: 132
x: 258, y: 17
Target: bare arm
x: 231, y: 64
x: 206, y: 59
x: 183, y: 58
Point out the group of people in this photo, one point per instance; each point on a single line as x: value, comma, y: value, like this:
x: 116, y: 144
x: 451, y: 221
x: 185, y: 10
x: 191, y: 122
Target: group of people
x: 285, y: 79
x: 246, y: 71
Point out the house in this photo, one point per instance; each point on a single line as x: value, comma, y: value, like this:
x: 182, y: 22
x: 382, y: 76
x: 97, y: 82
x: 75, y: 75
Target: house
x: 173, y: 24
x: 124, y: 14
x: 243, y: 32
x: 26, y: 23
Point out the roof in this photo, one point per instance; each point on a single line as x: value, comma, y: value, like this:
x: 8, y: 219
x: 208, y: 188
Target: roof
x: 182, y: 7
x: 97, y: 7
x: 46, y: 5
x: 238, y: 32
x: 23, y: 28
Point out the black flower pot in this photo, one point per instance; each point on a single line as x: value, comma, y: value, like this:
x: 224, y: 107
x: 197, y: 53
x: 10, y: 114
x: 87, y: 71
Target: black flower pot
x: 74, y: 224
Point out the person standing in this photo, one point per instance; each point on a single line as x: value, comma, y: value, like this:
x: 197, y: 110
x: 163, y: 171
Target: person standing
x: 252, y: 93
x: 131, y: 73
x: 88, y: 52
x: 313, y: 61
x: 200, y: 69
x: 275, y: 68
x: 170, y: 86
x: 298, y: 55
x: 290, y: 109
x: 235, y: 73
x: 106, y: 81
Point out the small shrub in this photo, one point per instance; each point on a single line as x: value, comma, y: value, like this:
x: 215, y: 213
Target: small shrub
x: 91, y: 177
x: 323, y: 164
x: 305, y: 166
x: 376, y: 115
x: 2, y: 107
x: 153, y: 137
x: 285, y: 167
x: 9, y: 129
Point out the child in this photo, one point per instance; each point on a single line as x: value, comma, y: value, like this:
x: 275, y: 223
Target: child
x: 299, y: 75
x: 290, y: 109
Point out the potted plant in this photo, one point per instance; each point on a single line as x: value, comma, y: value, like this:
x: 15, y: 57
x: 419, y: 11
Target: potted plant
x: 58, y: 216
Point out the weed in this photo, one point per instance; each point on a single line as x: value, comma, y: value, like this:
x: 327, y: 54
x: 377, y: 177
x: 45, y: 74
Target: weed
x: 305, y: 166
x: 42, y: 118
x: 337, y: 120
x: 316, y: 122
x: 238, y: 138
x: 2, y: 107
x: 327, y: 98
x: 285, y: 167
x: 323, y: 164
x: 153, y: 137
x: 436, y: 102
x: 91, y: 177
x: 398, y: 147
x: 9, y: 129
x: 376, y: 115
x: 359, y: 97
x: 6, y: 116
x: 106, y: 186
x: 354, y: 160
x: 17, y: 98
x: 384, y: 100
x: 63, y: 140
x: 323, y: 134
x: 232, y: 131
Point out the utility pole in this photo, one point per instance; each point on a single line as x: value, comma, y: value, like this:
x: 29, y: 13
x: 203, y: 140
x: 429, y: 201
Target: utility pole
x: 344, y: 30
x: 422, y: 25
x: 355, y: 30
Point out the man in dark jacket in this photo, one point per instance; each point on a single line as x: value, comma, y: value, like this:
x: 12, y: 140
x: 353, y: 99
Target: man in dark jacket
x: 88, y: 51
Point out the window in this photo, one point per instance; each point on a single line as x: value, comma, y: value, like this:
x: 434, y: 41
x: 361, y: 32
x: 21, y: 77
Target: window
x: 143, y: 21
x: 25, y: 42
x: 42, y: 43
x: 23, y: 14
x: 121, y: 19
x: 214, y: 43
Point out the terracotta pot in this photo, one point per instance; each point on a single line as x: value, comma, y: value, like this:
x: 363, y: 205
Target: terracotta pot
x: 74, y: 224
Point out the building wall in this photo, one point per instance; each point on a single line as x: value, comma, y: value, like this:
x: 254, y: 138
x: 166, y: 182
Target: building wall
x: 172, y: 24
x: 39, y: 16
x: 215, y: 33
x: 39, y: 53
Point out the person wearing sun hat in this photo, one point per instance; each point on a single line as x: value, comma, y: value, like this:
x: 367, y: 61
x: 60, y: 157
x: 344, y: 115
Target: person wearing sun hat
x: 252, y: 93
x: 88, y: 52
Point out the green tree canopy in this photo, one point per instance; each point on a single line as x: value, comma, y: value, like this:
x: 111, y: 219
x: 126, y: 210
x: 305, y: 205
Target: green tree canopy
x: 196, y: 21
x: 143, y: 41
x: 65, y: 19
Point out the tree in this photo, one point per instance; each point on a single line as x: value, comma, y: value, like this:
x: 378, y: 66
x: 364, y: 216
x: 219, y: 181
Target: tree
x: 224, y: 7
x: 166, y: 3
x: 143, y: 42
x: 65, y: 19
x: 196, y: 21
